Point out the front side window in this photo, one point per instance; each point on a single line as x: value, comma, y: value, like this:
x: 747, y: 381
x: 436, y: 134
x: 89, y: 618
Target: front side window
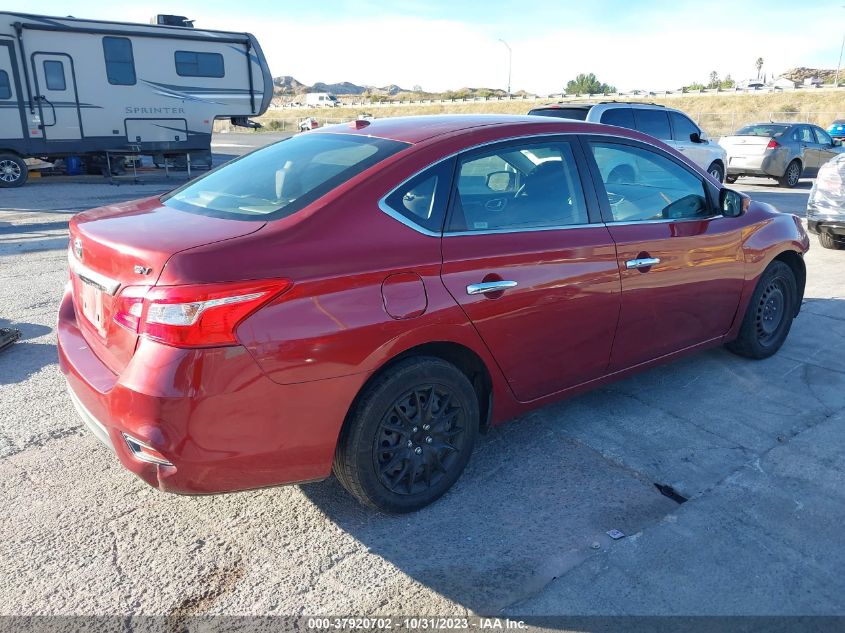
x: 823, y: 137
x: 54, y: 75
x: 620, y: 117
x: 644, y: 185
x: 5, y: 86
x: 682, y: 127
x: 194, y: 64
x: 422, y: 199
x: 518, y: 187
x: 120, y: 63
x: 653, y: 122
x: 280, y: 179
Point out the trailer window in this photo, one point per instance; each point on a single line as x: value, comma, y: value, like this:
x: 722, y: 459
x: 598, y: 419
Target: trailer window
x: 5, y: 86
x: 54, y: 74
x: 120, y: 64
x: 193, y: 64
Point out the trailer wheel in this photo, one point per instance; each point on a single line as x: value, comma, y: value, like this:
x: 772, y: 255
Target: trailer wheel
x: 13, y: 171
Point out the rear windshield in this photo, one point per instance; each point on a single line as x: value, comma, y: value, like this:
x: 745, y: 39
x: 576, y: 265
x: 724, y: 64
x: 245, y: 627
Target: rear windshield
x: 280, y: 179
x: 762, y: 130
x: 579, y: 114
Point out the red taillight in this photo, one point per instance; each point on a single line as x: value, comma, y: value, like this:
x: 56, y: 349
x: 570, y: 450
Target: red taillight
x: 129, y: 306
x: 203, y: 315
x: 773, y: 144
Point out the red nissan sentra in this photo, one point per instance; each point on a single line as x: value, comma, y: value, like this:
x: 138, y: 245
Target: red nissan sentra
x: 366, y: 298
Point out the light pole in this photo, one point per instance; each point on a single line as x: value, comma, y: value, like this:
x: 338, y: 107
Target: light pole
x: 510, y: 61
x: 839, y: 65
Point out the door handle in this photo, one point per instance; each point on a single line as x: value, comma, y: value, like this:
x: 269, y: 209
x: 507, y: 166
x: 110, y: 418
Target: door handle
x: 644, y: 262
x: 489, y: 286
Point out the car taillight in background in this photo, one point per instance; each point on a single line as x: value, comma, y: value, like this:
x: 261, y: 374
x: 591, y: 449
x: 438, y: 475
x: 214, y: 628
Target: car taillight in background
x: 773, y: 144
x: 202, y: 315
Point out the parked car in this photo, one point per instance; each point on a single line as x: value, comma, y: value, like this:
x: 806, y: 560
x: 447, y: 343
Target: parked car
x: 826, y: 207
x: 837, y: 129
x: 783, y: 151
x: 367, y: 298
x: 308, y: 124
x: 671, y: 126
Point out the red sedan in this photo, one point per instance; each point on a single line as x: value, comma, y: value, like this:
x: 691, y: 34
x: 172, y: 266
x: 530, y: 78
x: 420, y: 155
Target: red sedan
x: 366, y: 298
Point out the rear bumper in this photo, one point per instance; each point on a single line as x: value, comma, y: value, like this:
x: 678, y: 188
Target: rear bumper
x: 769, y: 166
x: 219, y: 421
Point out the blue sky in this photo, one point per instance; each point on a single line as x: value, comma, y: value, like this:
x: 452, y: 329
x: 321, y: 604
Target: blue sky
x: 440, y: 45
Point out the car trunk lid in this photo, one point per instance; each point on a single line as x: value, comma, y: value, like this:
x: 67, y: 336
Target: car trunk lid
x: 125, y: 245
x: 745, y: 145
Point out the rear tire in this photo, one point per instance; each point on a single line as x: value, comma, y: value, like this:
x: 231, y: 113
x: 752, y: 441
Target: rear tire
x: 409, y: 436
x: 717, y: 171
x: 828, y: 241
x: 731, y: 179
x: 791, y: 176
x: 13, y: 171
x: 769, y: 315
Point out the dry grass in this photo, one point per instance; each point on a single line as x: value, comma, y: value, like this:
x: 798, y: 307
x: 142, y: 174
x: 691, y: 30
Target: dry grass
x: 717, y: 113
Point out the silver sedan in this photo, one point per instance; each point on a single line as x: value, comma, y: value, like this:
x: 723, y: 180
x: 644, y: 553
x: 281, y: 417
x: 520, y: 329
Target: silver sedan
x: 783, y: 151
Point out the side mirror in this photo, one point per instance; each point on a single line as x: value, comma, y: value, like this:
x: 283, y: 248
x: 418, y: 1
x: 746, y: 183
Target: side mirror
x: 732, y: 203
x: 501, y: 181
x: 837, y: 142
x: 696, y: 137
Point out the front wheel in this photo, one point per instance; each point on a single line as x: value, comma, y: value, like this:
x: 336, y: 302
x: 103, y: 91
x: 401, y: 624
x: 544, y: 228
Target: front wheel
x: 717, y: 171
x: 791, y: 176
x: 769, y: 315
x: 13, y: 171
x: 409, y: 436
x: 828, y: 241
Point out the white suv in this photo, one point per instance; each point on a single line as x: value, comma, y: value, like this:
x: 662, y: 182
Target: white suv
x: 671, y: 126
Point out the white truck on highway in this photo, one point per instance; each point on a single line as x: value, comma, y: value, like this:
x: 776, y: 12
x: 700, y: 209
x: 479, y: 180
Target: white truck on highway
x: 321, y: 99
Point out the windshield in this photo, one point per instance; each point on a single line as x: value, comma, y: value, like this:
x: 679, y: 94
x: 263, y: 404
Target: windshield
x: 764, y: 129
x: 278, y: 180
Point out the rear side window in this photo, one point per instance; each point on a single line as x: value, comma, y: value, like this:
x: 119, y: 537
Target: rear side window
x: 653, y: 122
x: 518, y: 187
x: 54, y: 75
x: 282, y: 178
x: 620, y: 117
x: 804, y: 135
x: 643, y: 185
x: 422, y: 199
x: 194, y: 64
x: 682, y: 127
x: 579, y: 114
x: 120, y: 63
x: 5, y: 86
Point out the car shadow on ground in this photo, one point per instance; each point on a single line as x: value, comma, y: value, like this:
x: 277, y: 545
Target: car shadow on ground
x: 541, y: 492
x: 24, y: 358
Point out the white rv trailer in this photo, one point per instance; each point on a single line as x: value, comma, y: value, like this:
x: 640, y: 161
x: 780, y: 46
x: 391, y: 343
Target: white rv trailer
x: 74, y: 87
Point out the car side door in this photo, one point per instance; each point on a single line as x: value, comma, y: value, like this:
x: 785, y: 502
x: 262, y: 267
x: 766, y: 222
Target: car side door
x: 683, y: 132
x: 826, y: 148
x: 680, y: 262
x: 536, y: 276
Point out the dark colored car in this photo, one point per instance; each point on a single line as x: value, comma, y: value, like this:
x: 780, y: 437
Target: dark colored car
x: 367, y: 298
x: 826, y: 206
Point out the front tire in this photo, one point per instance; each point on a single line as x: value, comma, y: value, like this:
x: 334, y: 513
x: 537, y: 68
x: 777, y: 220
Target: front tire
x: 769, y: 315
x: 717, y: 171
x: 409, y: 436
x: 828, y: 241
x: 791, y: 176
x: 13, y: 171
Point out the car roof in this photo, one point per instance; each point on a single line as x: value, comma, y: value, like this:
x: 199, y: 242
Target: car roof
x: 416, y: 129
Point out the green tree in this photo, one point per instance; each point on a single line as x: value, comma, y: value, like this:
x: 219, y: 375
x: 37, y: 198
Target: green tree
x: 714, y: 80
x: 587, y: 84
x: 727, y: 82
